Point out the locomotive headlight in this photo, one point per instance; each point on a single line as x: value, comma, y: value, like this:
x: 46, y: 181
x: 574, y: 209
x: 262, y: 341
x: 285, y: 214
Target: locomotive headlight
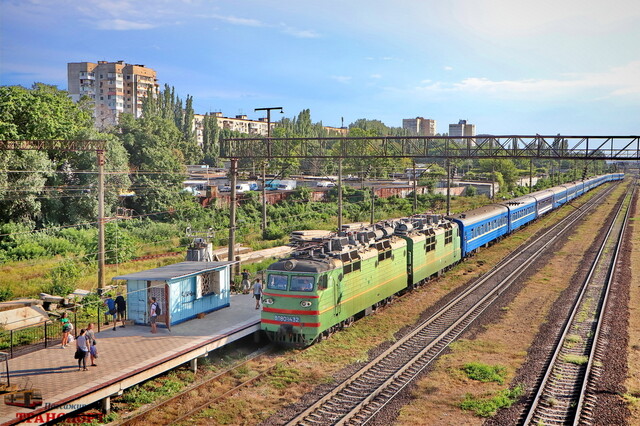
x: 305, y: 303
x: 268, y: 301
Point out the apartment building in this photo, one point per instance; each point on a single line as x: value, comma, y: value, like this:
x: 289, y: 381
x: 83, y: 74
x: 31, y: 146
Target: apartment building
x: 419, y: 126
x: 462, y: 129
x: 239, y: 123
x: 113, y: 87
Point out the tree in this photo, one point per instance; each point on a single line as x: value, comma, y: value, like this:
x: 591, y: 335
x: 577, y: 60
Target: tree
x: 505, y: 167
x: 152, y: 143
x: 44, y: 112
x: 169, y: 107
x: 211, y: 140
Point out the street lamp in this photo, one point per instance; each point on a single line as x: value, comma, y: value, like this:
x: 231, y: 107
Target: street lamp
x: 264, y: 164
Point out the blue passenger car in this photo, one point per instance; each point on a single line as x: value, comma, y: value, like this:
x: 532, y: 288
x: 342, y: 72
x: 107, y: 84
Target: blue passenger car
x: 481, y: 226
x: 549, y: 199
x: 522, y: 210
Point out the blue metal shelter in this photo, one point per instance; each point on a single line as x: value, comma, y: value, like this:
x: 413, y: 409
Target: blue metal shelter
x: 183, y: 290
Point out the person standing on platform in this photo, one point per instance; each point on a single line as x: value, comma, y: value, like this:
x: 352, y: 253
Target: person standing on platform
x: 66, y: 329
x: 111, y: 309
x: 121, y: 309
x: 82, y: 350
x: 91, y: 341
x: 257, y: 292
x: 153, y: 315
x: 246, y: 284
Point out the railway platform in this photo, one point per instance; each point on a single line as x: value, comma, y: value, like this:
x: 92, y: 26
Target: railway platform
x: 126, y: 357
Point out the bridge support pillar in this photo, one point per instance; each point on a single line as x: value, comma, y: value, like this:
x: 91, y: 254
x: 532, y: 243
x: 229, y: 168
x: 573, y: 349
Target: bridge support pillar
x: 194, y: 365
x: 106, y: 405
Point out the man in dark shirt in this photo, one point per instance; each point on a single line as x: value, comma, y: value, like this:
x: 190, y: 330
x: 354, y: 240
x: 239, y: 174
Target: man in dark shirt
x: 121, y: 308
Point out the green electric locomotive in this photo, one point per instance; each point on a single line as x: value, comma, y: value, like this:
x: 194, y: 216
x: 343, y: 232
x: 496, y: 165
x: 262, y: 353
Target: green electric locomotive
x: 330, y: 281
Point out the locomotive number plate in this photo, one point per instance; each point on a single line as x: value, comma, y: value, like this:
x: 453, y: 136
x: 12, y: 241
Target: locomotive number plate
x: 286, y: 318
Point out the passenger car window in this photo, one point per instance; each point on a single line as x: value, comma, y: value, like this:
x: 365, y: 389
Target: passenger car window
x: 277, y: 282
x: 301, y: 283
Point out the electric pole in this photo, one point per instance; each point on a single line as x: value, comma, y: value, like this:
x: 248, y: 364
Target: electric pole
x: 264, y: 165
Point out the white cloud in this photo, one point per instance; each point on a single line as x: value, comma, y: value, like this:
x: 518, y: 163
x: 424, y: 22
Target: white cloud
x: 619, y: 81
x: 341, y: 78
x: 248, y: 22
x: 376, y: 76
x: 448, y: 68
x: 299, y: 33
x: 122, y: 25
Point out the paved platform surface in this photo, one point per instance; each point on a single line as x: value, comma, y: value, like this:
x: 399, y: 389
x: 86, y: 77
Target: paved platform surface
x: 121, y: 352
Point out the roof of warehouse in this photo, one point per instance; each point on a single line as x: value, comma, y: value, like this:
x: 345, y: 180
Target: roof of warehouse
x: 177, y: 270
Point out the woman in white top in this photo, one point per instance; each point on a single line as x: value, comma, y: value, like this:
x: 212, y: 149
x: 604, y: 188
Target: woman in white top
x: 82, y: 350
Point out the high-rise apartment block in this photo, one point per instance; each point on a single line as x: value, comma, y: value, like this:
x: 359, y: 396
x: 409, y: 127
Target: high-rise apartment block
x: 462, y: 129
x: 113, y: 87
x: 419, y: 126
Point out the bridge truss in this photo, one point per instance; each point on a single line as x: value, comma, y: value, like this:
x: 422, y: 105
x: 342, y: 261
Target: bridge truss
x: 612, y: 148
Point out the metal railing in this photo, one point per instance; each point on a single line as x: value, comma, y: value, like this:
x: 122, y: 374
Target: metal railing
x: 23, y: 340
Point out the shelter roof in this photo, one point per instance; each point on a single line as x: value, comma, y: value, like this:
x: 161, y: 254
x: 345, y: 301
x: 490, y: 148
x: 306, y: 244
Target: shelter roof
x: 177, y: 270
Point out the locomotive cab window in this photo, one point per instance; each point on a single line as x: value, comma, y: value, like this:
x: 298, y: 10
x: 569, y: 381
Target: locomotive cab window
x: 301, y: 283
x: 277, y: 282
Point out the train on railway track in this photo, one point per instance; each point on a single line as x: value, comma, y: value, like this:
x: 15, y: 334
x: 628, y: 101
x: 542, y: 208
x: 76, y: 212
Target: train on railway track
x: 328, y: 282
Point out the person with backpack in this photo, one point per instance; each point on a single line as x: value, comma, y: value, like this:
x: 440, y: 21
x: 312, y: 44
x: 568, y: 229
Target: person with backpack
x: 154, y: 311
x: 111, y: 309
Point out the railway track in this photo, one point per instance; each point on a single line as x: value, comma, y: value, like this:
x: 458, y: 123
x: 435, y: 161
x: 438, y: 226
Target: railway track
x: 189, y: 402
x: 564, y: 396
x: 357, y: 400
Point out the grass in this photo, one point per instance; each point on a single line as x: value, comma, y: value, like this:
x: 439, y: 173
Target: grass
x: 575, y: 359
x: 572, y: 340
x: 485, y: 373
x: 489, y: 406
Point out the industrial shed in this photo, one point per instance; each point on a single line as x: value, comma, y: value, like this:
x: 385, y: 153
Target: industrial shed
x: 183, y: 290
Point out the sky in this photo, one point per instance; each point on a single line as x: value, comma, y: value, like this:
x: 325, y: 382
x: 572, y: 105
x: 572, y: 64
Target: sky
x: 509, y: 67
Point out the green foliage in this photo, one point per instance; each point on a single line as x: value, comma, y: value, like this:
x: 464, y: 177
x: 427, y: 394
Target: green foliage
x: 27, y: 250
x: 58, y: 245
x: 119, y: 245
x: 273, y: 232
x: 484, y: 372
x: 64, y: 278
x: 471, y: 191
x: 5, y: 294
x: 488, y: 407
x: 152, y: 143
x: 44, y: 112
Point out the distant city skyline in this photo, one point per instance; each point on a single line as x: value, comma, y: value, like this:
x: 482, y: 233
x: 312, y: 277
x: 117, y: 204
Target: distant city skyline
x: 524, y: 67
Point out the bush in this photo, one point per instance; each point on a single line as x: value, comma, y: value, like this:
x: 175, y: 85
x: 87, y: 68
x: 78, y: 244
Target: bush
x: 64, y: 278
x: 5, y: 294
x: 26, y: 251
x: 484, y: 372
x: 80, y: 237
x: 273, y: 233
x: 57, y: 245
x: 487, y: 407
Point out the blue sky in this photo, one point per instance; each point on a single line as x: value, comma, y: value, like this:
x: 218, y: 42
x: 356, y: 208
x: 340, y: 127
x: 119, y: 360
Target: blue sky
x: 509, y: 67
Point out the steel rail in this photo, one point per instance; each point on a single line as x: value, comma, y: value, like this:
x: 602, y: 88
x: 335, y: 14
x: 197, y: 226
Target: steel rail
x: 317, y: 415
x: 584, y: 393
x: 152, y: 409
x: 545, y: 407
